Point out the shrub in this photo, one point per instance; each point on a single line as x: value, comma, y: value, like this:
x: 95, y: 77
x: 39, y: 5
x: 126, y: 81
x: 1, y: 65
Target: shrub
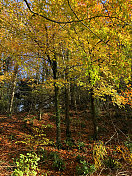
x: 42, y: 153
x: 38, y: 138
x: 79, y: 158
x: 80, y: 145
x: 99, y: 152
x: 85, y: 168
x: 128, y: 144
x: 26, y: 164
x: 112, y: 163
x: 126, y: 154
x: 58, y: 162
x: 69, y: 143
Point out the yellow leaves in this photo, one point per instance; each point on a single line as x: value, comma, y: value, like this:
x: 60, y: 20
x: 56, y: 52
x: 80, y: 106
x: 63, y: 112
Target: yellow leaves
x: 83, y: 4
x: 28, y: 34
x: 6, y: 77
x: 106, y: 71
x: 106, y: 29
x: 93, y: 72
x: 2, y: 78
x: 106, y: 89
x: 98, y: 7
x: 127, y: 96
x: 117, y: 99
x: 99, y: 152
x: 58, y: 1
x: 101, y: 90
x: 49, y: 83
x: 127, y: 155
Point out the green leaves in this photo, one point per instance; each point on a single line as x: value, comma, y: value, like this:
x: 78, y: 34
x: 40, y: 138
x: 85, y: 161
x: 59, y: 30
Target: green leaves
x: 26, y: 164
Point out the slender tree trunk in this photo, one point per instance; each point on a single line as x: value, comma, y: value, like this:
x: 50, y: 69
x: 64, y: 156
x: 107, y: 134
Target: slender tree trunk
x: 13, y: 89
x: 58, y: 120
x: 93, y: 115
x: 53, y: 64
x: 57, y: 109
x: 73, y: 97
x: 45, y: 71
x: 67, y: 117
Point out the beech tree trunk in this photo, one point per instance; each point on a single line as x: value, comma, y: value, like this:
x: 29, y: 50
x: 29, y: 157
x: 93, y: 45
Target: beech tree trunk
x: 57, y: 109
x: 13, y: 89
x: 53, y: 64
x: 58, y: 120
x: 73, y: 97
x: 67, y: 117
x: 93, y: 115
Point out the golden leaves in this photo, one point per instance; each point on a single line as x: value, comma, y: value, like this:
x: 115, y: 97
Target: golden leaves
x: 2, y: 78
x: 102, y: 55
x: 126, y: 154
x: 99, y: 152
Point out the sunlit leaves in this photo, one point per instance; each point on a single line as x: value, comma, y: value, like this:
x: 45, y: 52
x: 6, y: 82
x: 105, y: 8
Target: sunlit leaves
x: 127, y: 95
x: 99, y: 46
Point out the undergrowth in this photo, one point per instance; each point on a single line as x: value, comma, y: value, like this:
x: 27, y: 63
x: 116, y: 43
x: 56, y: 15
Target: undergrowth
x: 26, y: 165
x: 38, y: 138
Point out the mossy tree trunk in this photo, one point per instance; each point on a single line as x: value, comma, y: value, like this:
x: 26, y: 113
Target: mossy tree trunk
x: 57, y: 108
x: 93, y: 112
x: 67, y: 117
x: 67, y: 102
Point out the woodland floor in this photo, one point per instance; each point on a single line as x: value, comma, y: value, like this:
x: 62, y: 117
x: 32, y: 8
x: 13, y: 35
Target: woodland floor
x: 15, y: 131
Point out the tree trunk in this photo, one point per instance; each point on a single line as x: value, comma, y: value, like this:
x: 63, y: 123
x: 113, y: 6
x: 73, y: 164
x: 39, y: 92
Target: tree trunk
x: 58, y: 120
x: 93, y: 115
x: 13, y: 89
x: 57, y: 109
x: 53, y: 64
x: 67, y: 118
x: 73, y: 97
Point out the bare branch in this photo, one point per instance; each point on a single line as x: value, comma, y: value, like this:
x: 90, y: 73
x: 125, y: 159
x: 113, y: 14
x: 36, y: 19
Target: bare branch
x: 110, y: 138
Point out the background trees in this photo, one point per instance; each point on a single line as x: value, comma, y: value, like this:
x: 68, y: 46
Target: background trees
x: 65, y: 52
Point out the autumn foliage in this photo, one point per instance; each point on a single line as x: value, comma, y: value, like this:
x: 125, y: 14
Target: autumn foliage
x: 71, y: 59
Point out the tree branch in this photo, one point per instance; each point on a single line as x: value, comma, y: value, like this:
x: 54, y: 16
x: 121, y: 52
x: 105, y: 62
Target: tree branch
x: 54, y: 21
x: 106, y: 16
x: 101, y: 40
